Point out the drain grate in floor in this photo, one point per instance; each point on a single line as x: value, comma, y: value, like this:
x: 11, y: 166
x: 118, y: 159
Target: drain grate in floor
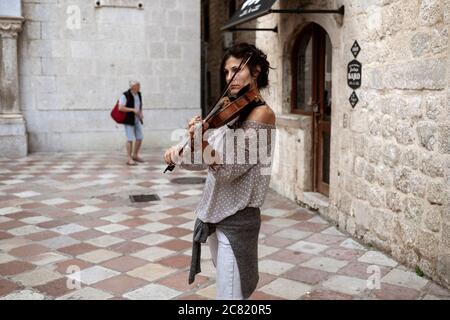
x: 144, y: 198
x: 188, y: 180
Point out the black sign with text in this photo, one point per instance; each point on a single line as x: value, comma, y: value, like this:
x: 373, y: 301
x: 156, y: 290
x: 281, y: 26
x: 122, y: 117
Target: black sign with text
x: 354, y: 74
x: 250, y: 9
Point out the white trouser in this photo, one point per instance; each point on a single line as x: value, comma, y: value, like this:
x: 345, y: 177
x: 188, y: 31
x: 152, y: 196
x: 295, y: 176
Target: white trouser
x: 228, y: 281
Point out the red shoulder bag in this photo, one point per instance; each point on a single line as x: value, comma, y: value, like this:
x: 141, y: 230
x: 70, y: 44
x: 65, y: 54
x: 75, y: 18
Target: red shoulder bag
x: 118, y: 115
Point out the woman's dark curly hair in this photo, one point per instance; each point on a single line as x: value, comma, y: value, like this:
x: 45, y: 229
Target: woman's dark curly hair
x: 258, y: 58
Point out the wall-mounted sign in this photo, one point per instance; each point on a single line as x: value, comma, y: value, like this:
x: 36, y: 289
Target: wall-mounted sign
x: 249, y: 10
x: 355, y: 49
x: 354, y: 74
x: 353, y: 99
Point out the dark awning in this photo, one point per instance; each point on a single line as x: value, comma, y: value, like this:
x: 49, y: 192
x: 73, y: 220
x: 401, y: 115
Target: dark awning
x: 250, y: 9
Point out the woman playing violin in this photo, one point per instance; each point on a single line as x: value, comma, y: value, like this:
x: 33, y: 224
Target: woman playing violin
x: 229, y: 210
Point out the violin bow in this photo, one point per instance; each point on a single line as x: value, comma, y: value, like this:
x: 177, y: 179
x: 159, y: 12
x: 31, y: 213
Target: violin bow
x: 216, y: 107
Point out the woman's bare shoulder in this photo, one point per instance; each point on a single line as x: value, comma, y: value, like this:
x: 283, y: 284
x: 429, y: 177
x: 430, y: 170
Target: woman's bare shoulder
x: 263, y: 114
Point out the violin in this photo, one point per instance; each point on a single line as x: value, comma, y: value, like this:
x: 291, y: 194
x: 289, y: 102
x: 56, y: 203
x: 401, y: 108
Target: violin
x: 226, y: 110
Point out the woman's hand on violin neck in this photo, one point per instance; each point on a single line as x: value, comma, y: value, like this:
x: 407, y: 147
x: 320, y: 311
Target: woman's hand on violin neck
x: 194, y: 124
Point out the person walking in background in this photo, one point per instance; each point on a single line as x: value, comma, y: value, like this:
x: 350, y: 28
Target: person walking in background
x: 131, y: 103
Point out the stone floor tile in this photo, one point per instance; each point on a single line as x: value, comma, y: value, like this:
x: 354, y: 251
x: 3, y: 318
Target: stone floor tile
x: 59, y: 242
x: 153, y: 253
x: 72, y: 265
x: 179, y: 281
x: 325, y: 239
x: 208, y: 292
x: 275, y: 212
x: 287, y: 289
x: 343, y: 254
x: 6, y: 287
x: 280, y: 222
x: 259, y: 295
x: 345, y: 284
x: 154, y: 227
x: 320, y: 294
x: 86, y: 235
x: 93, y: 275
x: 24, y: 295
x: 36, y: 277
x: 264, y: 250
x: 274, y: 267
x: 310, y: 226
x: 127, y: 247
x: 105, y: 241
x: 15, y: 267
x: 85, y: 209
x: 377, y: 258
x: 153, y: 292
x: 98, y: 256
x: 110, y: 228
x: 86, y: 293
x: 134, y: 222
x: 120, y: 284
x: 290, y: 256
x: 46, y: 258
x: 176, y: 245
x: 9, y: 210
x: 151, y: 272
x: 55, y: 288
x: 393, y: 292
x: 55, y: 201
x: 178, y: 261
x: 130, y: 234
x: 25, y: 230
x: 4, y: 258
x: 333, y: 231
x: 405, y: 279
x: 362, y: 270
x: 306, y: 275
x: 77, y: 249
x: 115, y: 218
x: 69, y: 229
x: 264, y: 279
x: 153, y: 239
x: 28, y: 250
x: 177, y: 232
x: 191, y: 297
x: 36, y: 220
x: 325, y: 264
x: 124, y: 263
x: 351, y: 244
x: 308, y: 247
x: 292, y: 234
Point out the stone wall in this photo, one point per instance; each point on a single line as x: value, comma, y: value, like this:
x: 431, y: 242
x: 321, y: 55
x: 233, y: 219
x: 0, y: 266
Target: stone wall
x: 76, y: 60
x: 390, y: 156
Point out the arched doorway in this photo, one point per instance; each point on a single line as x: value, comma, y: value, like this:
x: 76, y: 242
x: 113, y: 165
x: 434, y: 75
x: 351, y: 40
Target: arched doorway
x: 311, y: 95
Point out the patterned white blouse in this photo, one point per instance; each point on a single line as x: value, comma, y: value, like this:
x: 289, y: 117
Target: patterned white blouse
x: 236, y: 182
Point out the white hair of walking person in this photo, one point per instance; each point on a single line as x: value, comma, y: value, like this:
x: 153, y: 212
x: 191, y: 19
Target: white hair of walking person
x: 133, y: 83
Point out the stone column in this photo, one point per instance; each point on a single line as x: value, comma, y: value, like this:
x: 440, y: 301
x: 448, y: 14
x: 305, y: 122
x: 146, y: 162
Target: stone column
x: 13, y: 136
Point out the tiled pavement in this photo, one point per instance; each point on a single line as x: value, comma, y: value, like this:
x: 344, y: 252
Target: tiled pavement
x: 67, y: 217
